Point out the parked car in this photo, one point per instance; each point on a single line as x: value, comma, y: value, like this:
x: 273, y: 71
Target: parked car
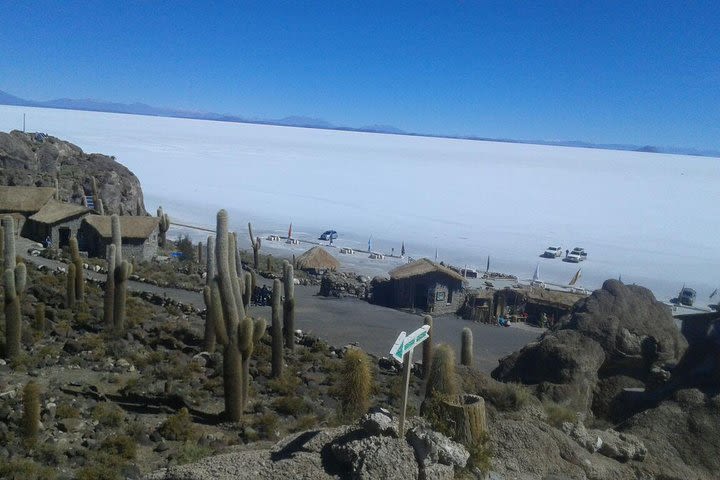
x: 577, y: 255
x: 328, y: 235
x: 552, y: 252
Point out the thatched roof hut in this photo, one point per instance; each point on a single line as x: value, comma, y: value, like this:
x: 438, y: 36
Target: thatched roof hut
x: 26, y: 200
x: 317, y: 259
x: 132, y: 227
x: 53, y: 212
x: 423, y: 267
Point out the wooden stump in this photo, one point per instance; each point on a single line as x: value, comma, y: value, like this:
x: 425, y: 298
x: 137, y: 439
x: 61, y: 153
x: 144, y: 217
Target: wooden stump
x: 466, y: 417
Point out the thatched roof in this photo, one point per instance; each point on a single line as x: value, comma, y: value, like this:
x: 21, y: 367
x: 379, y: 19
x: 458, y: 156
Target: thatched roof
x: 24, y: 199
x: 423, y: 267
x: 317, y: 258
x: 130, y: 226
x: 54, y: 212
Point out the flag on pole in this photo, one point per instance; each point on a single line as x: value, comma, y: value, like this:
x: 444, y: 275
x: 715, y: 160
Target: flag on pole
x: 290, y: 231
x: 575, y: 277
x: 620, y: 278
x: 436, y: 254
x: 370, y: 244
x: 487, y: 269
x: 536, y: 275
x: 402, y: 250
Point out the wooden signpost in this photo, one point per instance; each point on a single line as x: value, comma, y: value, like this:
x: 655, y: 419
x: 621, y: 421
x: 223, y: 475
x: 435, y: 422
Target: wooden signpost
x: 402, y: 351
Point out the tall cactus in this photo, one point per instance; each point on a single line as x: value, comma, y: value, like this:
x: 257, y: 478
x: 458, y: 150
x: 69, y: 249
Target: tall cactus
x: 289, y: 305
x: 466, y: 350
x: 255, y: 242
x: 79, y: 272
x: 2, y: 241
x: 8, y: 225
x: 14, y: 281
x: 164, y: 223
x: 212, y: 307
x: 277, y: 332
x: 248, y: 290
x: 200, y: 252
x: 70, y: 295
x: 109, y: 298
x: 442, y: 382
x: 40, y: 317
x: 232, y: 312
x: 251, y: 331
x: 99, y: 207
x: 14, y: 285
x: 121, y: 272
x: 427, y: 347
x: 96, y: 197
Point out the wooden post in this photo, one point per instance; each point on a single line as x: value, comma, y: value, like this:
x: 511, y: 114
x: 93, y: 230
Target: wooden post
x: 407, y: 367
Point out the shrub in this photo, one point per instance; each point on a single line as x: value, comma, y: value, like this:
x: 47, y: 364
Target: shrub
x: 190, y: 452
x: 65, y: 410
x: 507, y: 396
x: 267, y: 424
x: 305, y: 422
x: 291, y: 406
x: 356, y: 384
x: 22, y: 469
x: 108, y: 414
x: 179, y: 427
x: 285, y: 385
x: 558, y: 414
x: 120, y: 445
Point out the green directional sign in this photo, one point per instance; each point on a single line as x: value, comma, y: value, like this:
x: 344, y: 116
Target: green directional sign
x: 405, y: 343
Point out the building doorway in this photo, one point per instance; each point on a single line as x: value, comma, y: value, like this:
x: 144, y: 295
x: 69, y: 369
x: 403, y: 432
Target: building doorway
x: 64, y: 234
x: 421, y: 296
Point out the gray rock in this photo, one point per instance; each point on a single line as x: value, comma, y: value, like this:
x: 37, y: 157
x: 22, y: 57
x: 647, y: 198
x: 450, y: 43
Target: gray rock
x: 434, y: 447
x: 379, y: 422
x: 577, y: 431
x: 620, y: 446
x: 437, y: 471
x: 70, y: 425
x: 377, y: 457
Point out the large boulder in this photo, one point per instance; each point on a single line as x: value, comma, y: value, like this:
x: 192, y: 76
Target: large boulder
x: 34, y: 160
x: 616, y: 338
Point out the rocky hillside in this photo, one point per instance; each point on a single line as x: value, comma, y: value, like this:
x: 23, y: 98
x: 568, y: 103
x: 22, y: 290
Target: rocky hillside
x: 36, y: 159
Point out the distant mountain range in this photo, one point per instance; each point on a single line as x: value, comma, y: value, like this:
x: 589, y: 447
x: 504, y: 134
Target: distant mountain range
x: 308, y: 122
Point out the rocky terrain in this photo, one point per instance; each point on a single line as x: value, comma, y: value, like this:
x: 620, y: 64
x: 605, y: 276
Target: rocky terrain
x: 31, y: 159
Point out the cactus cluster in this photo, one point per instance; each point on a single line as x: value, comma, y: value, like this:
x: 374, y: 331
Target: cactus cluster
x: 164, y: 224
x: 289, y: 305
x: 255, y: 242
x: 119, y: 272
x: 237, y: 332
x: 14, y: 282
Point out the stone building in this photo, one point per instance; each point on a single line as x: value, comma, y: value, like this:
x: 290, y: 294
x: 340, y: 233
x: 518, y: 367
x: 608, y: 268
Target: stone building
x: 56, y: 220
x: 22, y: 202
x: 427, y: 286
x: 139, y: 236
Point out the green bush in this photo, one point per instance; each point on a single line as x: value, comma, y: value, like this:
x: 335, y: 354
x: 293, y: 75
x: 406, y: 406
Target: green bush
x: 179, y: 427
x: 23, y: 469
x: 65, y: 410
x: 108, y: 414
x: 507, y: 396
x: 558, y: 414
x: 191, y: 452
x: 120, y: 445
x: 292, y: 406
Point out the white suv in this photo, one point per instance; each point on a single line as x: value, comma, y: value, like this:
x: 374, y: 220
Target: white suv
x: 552, y: 252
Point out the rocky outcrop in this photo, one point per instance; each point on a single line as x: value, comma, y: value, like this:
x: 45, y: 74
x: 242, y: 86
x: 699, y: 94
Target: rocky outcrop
x: 616, y: 338
x: 337, y: 284
x: 365, y: 452
x: 28, y: 159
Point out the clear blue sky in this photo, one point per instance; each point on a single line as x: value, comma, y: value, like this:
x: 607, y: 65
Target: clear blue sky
x: 607, y: 71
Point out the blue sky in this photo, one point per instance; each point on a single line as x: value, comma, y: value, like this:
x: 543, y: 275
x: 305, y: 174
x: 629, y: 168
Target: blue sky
x: 606, y: 72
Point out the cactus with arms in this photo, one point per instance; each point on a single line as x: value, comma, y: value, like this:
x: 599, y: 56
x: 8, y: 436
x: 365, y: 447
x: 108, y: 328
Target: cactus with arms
x: 255, y: 242
x: 164, y: 224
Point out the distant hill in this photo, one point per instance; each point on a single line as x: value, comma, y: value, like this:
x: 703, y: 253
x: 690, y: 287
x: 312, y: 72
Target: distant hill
x: 308, y: 122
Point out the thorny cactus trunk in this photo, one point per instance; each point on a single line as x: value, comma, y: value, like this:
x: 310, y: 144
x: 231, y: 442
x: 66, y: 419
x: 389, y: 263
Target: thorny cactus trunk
x: 277, y: 331
x: 212, y: 298
x: 70, y: 289
x: 255, y: 242
x: 466, y: 351
x: 121, y: 273
x: 14, y: 282
x: 40, y: 317
x: 164, y: 225
x: 109, y: 299
x: 79, y: 272
x: 427, y: 348
x: 248, y: 284
x: 232, y: 311
x: 289, y: 305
